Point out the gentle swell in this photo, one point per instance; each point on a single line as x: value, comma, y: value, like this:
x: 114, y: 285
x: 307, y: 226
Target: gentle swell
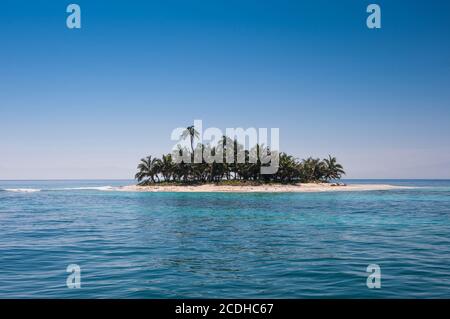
x: 233, y: 245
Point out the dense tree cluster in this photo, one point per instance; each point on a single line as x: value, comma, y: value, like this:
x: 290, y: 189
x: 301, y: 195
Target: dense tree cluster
x: 290, y: 170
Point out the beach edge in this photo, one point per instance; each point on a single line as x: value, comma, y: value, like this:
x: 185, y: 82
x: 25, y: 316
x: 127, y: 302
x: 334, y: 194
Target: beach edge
x: 264, y: 188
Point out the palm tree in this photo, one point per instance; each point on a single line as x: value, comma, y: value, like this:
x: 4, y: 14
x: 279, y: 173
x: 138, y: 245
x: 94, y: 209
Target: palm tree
x: 226, y: 144
x: 167, y: 167
x: 288, y: 168
x: 192, y: 133
x: 238, y: 149
x: 333, y: 170
x: 312, y: 170
x: 146, y: 169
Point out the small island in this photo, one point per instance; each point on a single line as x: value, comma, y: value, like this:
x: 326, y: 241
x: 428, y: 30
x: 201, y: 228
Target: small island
x: 293, y: 175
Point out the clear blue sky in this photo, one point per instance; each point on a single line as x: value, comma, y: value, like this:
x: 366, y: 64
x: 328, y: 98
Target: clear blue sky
x: 89, y: 103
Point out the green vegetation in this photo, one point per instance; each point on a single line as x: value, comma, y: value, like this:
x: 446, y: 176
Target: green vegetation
x: 166, y: 171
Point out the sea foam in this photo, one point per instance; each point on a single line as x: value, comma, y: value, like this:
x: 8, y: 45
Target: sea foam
x: 22, y: 190
x: 34, y: 190
x: 98, y: 188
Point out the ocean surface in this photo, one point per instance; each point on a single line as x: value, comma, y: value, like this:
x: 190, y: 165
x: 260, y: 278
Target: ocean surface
x: 215, y: 245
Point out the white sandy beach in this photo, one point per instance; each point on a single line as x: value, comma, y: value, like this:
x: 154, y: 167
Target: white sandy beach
x: 272, y: 188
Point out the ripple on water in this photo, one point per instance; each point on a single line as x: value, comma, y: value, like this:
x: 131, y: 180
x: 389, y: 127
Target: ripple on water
x: 171, y: 245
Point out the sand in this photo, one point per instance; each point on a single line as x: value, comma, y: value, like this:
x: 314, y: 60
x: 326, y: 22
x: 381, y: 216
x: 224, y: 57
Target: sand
x: 273, y: 188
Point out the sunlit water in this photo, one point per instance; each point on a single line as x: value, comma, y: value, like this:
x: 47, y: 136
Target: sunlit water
x: 167, y: 245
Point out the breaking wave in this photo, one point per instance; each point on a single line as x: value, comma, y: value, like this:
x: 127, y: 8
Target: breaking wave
x: 22, y: 190
x: 34, y: 190
x: 98, y: 188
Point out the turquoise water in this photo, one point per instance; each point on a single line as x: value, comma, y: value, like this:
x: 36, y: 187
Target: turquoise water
x: 167, y: 245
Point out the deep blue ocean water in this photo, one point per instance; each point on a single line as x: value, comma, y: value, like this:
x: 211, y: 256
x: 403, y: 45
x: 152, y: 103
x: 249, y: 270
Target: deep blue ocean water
x: 195, y: 245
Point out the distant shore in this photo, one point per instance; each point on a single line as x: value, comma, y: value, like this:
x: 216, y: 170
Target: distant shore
x: 263, y: 188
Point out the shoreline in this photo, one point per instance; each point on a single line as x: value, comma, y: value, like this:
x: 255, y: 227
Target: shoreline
x: 264, y: 188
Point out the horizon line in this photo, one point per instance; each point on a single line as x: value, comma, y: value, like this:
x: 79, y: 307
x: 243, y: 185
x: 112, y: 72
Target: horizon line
x: 128, y: 179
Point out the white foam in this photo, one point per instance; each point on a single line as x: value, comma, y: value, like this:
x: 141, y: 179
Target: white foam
x: 98, y: 188
x: 22, y: 190
x: 33, y: 190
